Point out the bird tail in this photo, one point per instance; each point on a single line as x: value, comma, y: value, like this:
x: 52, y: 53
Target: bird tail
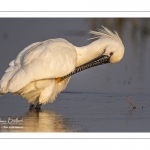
x: 9, y: 73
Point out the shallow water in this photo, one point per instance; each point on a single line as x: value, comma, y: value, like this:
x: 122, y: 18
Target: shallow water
x: 95, y: 99
x: 78, y: 112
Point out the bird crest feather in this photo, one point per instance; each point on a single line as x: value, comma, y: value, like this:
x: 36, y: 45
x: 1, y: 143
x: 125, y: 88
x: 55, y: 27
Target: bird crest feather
x: 105, y: 33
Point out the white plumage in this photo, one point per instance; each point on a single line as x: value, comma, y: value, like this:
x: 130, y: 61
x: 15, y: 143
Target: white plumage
x: 32, y: 74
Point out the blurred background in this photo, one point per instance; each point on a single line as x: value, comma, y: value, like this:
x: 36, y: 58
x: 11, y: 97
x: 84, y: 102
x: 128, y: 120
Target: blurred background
x: 129, y: 75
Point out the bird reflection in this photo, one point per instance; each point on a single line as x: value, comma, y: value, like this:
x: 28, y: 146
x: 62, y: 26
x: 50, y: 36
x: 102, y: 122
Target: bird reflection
x: 38, y: 121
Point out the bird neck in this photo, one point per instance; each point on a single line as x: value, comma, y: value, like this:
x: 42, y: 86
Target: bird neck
x: 89, y: 52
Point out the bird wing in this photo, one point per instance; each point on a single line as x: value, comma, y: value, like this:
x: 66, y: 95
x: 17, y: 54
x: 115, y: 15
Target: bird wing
x: 42, y: 60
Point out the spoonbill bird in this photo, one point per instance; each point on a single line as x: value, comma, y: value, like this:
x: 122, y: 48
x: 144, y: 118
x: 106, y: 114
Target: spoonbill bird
x: 43, y: 69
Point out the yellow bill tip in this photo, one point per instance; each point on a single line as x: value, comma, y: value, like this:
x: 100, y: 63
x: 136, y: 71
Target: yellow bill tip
x: 58, y: 80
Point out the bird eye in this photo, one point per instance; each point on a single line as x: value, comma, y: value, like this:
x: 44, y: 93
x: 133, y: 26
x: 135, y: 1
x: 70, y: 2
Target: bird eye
x: 111, y: 53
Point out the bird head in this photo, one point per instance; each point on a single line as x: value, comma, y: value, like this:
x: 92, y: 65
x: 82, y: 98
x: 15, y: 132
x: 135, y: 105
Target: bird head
x: 115, y: 52
x: 111, y: 44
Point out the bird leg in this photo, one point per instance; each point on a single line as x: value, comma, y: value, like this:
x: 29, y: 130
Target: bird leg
x: 38, y: 106
x: 31, y: 107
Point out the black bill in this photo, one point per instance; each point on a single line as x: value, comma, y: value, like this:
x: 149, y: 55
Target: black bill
x: 103, y: 59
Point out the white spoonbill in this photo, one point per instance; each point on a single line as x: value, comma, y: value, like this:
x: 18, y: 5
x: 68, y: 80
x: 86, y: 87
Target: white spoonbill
x: 43, y: 69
